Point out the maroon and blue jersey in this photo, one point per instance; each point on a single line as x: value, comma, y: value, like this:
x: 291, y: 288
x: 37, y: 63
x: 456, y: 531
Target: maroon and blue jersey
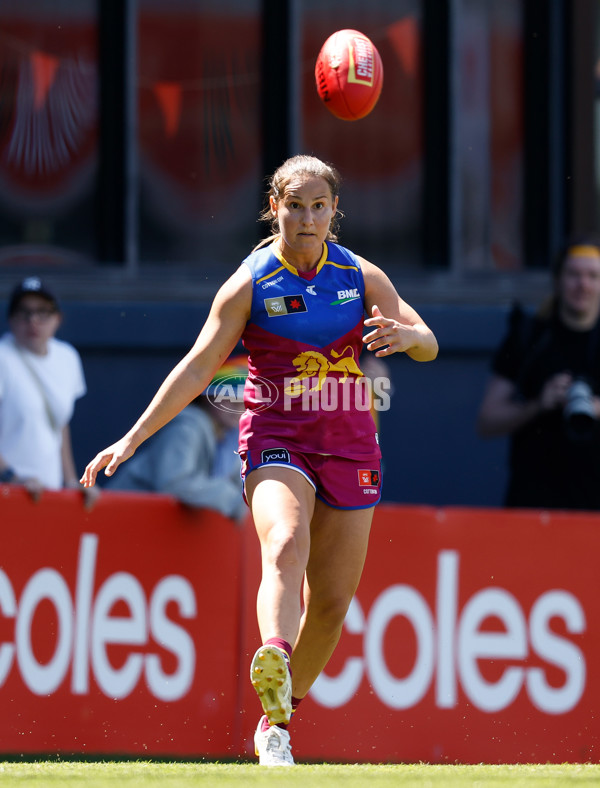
x: 305, y: 388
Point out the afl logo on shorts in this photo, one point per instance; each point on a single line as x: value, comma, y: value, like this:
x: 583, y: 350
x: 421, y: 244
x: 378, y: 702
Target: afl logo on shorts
x: 368, y: 478
x: 275, y: 455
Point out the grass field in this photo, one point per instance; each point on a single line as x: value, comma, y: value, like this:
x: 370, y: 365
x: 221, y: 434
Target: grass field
x: 142, y: 774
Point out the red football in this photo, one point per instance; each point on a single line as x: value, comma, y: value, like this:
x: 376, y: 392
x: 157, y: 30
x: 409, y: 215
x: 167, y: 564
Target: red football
x: 349, y: 74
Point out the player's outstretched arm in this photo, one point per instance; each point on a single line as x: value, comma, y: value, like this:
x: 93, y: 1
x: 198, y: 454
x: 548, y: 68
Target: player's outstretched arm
x: 223, y: 328
x: 397, y: 327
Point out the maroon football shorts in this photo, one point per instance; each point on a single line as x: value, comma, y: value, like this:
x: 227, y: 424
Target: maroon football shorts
x: 339, y: 482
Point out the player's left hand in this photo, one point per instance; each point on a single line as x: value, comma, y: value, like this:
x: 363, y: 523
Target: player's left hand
x: 390, y: 336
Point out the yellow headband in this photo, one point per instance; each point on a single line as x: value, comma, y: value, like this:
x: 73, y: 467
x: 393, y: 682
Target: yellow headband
x: 586, y: 250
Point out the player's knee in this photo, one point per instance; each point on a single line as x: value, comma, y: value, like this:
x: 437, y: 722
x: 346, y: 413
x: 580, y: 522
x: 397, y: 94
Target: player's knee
x: 285, y: 550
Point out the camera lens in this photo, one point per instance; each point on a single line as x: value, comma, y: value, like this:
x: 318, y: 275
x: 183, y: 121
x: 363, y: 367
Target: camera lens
x: 579, y: 411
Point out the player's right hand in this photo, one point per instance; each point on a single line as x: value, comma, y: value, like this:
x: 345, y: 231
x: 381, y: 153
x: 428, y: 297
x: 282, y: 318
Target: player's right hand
x: 110, y: 458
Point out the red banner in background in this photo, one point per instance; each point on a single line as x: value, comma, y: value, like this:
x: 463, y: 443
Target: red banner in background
x: 118, y: 627
x: 129, y: 631
x: 473, y: 638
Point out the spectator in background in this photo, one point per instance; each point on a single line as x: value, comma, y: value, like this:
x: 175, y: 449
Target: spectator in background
x: 41, y: 378
x: 544, y: 391
x: 194, y: 457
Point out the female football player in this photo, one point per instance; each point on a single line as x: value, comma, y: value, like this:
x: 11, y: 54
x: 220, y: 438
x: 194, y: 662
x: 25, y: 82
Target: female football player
x: 308, y: 445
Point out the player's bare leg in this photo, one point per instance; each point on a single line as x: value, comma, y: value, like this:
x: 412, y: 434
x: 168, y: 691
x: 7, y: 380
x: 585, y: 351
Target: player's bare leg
x: 282, y: 503
x: 339, y: 541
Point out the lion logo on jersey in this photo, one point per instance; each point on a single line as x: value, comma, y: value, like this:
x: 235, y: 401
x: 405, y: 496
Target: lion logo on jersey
x: 312, y: 364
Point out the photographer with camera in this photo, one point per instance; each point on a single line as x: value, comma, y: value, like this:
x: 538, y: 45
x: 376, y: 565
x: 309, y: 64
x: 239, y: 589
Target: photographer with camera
x: 544, y: 389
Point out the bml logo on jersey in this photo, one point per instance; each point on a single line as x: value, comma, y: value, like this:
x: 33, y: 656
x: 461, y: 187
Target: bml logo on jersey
x: 286, y: 305
x: 345, y: 296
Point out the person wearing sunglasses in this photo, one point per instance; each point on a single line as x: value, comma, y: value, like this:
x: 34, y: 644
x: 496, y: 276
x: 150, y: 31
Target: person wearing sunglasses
x: 41, y: 378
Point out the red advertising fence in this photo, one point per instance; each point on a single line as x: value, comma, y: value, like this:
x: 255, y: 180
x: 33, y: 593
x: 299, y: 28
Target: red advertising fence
x: 128, y: 630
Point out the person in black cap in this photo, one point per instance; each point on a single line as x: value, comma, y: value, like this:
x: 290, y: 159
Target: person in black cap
x: 32, y: 286
x: 41, y: 377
